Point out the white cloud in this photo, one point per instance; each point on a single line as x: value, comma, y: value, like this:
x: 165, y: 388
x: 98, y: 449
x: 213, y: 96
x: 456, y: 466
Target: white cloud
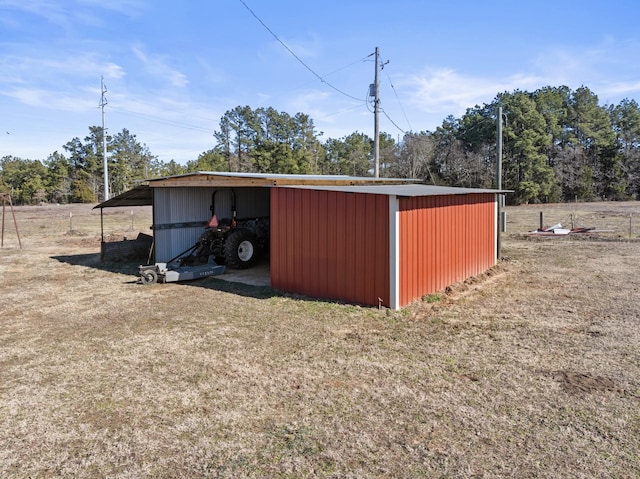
x: 47, y: 67
x: 111, y: 70
x: 212, y: 74
x: 310, y: 102
x: 302, y: 48
x: 592, y: 66
x: 51, y: 11
x: 446, y: 90
x: 68, y: 15
x: 129, y: 8
x: 565, y: 66
x: 620, y: 88
x: 69, y: 83
x: 52, y: 99
x: 159, y: 66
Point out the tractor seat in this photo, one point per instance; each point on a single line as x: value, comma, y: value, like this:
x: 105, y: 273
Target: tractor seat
x: 218, y: 224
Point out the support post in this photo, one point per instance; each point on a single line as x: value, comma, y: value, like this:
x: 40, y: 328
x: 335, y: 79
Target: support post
x: 5, y: 197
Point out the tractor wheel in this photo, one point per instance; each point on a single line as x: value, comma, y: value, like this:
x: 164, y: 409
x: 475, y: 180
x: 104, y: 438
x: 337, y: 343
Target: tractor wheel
x: 149, y: 276
x: 240, y: 249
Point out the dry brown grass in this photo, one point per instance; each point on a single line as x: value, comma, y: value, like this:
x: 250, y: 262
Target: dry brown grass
x: 528, y: 371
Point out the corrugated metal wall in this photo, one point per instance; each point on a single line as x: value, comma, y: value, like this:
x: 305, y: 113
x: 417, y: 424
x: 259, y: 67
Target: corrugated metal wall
x: 330, y: 244
x: 252, y: 202
x: 177, y: 206
x: 444, y: 239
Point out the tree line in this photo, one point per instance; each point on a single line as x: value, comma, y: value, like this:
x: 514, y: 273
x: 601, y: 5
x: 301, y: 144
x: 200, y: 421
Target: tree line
x: 77, y: 176
x: 558, y: 145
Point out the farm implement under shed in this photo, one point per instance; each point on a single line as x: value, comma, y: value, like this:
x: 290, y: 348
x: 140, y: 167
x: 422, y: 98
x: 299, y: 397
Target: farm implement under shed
x: 232, y: 242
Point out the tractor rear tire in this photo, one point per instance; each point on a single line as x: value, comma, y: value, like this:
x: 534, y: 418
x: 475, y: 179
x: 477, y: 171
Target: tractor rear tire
x: 240, y: 249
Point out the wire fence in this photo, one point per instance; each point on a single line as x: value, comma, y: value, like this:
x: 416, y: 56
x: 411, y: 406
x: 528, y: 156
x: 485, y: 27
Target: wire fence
x: 39, y: 223
x: 621, y: 220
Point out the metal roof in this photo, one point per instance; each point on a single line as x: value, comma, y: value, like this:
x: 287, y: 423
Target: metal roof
x: 231, y: 179
x: 277, y: 176
x: 141, y: 195
x: 402, y: 190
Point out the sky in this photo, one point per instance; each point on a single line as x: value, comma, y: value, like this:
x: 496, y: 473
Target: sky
x: 172, y: 69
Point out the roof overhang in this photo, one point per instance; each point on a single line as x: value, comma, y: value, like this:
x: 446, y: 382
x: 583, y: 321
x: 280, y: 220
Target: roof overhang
x: 141, y: 195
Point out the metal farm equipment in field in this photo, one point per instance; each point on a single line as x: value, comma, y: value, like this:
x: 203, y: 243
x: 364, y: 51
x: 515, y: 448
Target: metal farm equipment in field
x: 232, y: 242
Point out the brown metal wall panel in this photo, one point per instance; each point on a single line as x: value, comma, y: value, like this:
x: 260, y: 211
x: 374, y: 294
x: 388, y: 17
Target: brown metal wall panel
x: 380, y: 273
x: 333, y: 240
x: 332, y: 245
x: 444, y: 239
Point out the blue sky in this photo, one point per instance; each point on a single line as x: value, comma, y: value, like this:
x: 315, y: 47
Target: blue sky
x: 172, y: 69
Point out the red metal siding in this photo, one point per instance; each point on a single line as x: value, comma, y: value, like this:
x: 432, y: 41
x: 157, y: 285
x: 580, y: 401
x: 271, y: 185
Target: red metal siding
x: 444, y: 239
x: 330, y: 245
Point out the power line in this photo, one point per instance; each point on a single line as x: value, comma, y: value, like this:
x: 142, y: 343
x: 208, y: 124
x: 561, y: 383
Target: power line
x: 289, y: 90
x: 399, y: 103
x: 393, y: 122
x: 389, y: 118
x: 350, y: 64
x: 158, y: 120
x: 344, y: 110
x: 297, y: 57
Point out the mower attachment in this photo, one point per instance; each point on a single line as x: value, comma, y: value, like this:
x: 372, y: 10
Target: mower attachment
x: 172, y: 272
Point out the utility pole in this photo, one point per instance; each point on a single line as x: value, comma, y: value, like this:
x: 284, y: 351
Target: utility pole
x: 374, y: 91
x: 376, y: 120
x: 103, y: 103
x: 499, y: 181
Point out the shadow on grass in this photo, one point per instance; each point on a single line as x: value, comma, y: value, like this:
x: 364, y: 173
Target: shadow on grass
x: 131, y: 268
x: 241, y: 289
x: 92, y: 260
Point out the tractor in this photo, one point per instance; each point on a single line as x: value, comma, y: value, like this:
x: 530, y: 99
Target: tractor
x: 234, y: 242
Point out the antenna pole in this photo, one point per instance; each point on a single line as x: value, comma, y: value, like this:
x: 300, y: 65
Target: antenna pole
x: 103, y: 103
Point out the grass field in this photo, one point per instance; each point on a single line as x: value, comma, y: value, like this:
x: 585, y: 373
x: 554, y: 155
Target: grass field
x: 530, y: 371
